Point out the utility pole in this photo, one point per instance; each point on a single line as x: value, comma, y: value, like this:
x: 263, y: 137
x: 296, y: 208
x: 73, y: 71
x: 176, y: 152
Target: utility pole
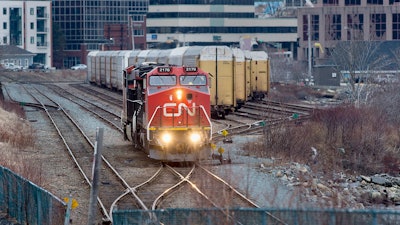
x: 94, y: 191
x: 308, y: 3
x: 132, y: 31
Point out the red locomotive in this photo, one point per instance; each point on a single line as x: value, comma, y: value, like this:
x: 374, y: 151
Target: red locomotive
x: 166, y: 111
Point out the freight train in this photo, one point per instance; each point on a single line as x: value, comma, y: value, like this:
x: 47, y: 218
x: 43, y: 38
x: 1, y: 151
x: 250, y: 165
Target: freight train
x: 236, y: 76
x: 166, y: 111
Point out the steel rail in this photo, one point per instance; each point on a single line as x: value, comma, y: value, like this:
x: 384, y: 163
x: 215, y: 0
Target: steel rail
x: 129, y: 189
x: 194, y: 186
x: 183, y: 179
x: 127, y: 186
x: 92, y: 111
x: 240, y: 194
x: 65, y: 142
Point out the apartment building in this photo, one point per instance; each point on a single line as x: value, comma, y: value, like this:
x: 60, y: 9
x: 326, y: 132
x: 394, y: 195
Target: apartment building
x: 27, y: 25
x: 330, y: 21
x: 228, y: 22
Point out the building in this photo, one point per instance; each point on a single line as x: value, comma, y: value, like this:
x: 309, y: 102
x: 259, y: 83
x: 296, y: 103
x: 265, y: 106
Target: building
x: 15, y: 55
x: 331, y: 21
x: 82, y: 26
x: 227, y: 22
x: 27, y: 25
x: 109, y: 25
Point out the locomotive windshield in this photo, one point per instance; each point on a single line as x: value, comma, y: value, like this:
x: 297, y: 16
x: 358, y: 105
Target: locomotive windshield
x: 196, y: 80
x: 156, y: 80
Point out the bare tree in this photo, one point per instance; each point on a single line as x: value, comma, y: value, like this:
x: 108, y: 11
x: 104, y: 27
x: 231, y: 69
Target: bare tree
x: 356, y: 61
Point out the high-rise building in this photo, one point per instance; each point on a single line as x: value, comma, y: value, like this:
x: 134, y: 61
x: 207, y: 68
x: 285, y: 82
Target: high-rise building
x: 331, y: 21
x: 229, y: 22
x: 81, y: 26
x: 27, y: 25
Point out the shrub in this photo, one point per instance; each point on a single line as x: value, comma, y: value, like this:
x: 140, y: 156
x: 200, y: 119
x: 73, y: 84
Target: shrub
x: 345, y: 138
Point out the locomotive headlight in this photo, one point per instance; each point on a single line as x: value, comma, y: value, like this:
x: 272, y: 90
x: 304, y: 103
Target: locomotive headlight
x: 195, y: 137
x: 166, y: 138
x: 179, y: 94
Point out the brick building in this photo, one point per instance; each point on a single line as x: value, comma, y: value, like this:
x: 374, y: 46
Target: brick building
x: 331, y: 21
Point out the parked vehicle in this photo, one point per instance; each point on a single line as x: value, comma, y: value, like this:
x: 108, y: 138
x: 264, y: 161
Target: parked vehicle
x: 12, y: 67
x: 79, y: 67
x: 37, y: 66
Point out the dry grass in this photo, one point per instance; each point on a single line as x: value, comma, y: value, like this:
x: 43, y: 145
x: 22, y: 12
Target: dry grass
x: 17, y: 136
x: 14, y: 130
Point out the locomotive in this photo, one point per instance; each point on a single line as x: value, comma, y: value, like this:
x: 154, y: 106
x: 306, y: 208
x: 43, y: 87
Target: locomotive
x: 166, y: 111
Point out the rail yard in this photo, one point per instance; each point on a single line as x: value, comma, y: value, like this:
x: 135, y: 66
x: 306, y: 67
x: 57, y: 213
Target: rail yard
x: 121, y: 188
x: 67, y: 114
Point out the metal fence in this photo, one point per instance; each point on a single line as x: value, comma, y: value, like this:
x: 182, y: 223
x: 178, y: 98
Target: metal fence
x: 257, y: 217
x: 28, y: 203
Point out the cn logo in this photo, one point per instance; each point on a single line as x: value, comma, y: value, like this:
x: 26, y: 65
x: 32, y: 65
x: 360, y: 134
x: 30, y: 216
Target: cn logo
x: 180, y: 107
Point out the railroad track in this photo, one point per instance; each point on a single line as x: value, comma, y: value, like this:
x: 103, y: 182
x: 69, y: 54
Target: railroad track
x: 293, y: 107
x: 271, y: 109
x: 269, y: 112
x: 191, y: 187
x: 81, y: 150
x: 101, y: 111
x: 89, y: 89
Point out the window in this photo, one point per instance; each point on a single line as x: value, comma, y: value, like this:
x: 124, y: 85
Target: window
x: 138, y: 18
x: 333, y: 27
x: 162, y: 80
x: 375, y: 2
x: 4, y: 11
x: 193, y: 80
x: 32, y: 40
x: 331, y: 2
x: 32, y: 11
x: 4, y: 25
x: 138, y: 32
x: 396, y: 26
x: 5, y: 40
x: 305, y: 27
x: 352, y: 2
x: 355, y: 24
x: 32, y: 26
x: 378, y: 26
x: 314, y: 27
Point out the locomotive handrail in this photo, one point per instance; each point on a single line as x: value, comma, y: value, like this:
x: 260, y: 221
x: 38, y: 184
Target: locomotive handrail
x: 135, y: 101
x: 148, y: 124
x: 208, y: 118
